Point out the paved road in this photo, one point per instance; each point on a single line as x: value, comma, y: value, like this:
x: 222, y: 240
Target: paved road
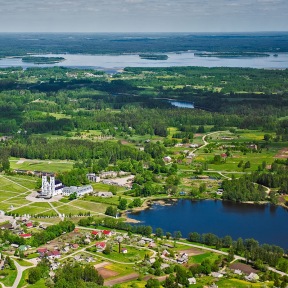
x: 20, y: 270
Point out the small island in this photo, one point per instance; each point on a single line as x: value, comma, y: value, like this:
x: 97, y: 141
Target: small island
x: 153, y: 56
x: 42, y: 60
x: 231, y: 54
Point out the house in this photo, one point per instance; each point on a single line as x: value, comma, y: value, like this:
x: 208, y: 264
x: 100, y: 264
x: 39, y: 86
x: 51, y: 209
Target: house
x: 238, y: 272
x: 252, y: 146
x: 147, y: 240
x: 216, y: 274
x: 14, y: 245
x: 55, y: 254
x: 104, y: 194
x: 124, y: 250
x: 29, y: 225
x: 42, y: 251
x: 141, y: 243
x: 93, y: 177
x: 183, y: 258
x: 26, y: 236
x: 66, y: 249
x: 96, y: 233
x: 192, y: 281
x: 165, y: 253
x: 100, y: 245
x: 164, y: 265
x: 223, y: 155
x: 107, y: 233
x: 74, y: 246
x: 152, y: 245
x: 54, y: 266
x: 194, y: 145
x: 87, y: 241
x: 167, y: 159
x: 252, y: 277
x: 23, y: 248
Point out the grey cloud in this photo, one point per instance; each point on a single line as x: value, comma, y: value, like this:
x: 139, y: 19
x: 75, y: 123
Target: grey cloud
x: 164, y: 14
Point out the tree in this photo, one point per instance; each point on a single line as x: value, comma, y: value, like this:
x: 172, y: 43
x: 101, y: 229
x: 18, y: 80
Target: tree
x: 152, y: 283
x: 247, y: 165
x: 194, y: 237
x: 177, y: 235
x: 34, y: 275
x: 159, y: 232
x: 111, y: 211
x: 72, y: 196
x: 122, y: 204
x: 90, y: 274
x: 168, y: 235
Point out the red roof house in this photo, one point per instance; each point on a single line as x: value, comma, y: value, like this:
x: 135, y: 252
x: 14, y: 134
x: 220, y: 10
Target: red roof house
x: 26, y: 236
x: 100, y: 245
x: 29, y: 225
x: 107, y: 232
x: 42, y: 250
x: 95, y: 233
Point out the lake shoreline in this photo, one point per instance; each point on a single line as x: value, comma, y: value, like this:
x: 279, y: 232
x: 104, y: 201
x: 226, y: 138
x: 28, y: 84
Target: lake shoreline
x: 147, y: 204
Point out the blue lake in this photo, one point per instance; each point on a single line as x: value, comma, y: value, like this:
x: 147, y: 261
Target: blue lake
x: 265, y: 223
x: 112, y: 63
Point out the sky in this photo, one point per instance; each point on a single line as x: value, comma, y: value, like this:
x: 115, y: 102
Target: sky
x: 143, y: 15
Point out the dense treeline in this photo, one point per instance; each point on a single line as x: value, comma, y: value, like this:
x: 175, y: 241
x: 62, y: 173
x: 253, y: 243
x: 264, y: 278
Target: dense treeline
x: 249, y: 248
x: 243, y: 189
x: 91, y: 43
x: 41, y: 148
x: 113, y: 223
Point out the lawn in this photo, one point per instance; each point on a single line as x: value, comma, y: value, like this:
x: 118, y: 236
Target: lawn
x: 121, y: 269
x: 23, y: 262
x: 10, y: 278
x: 91, y: 206
x: 236, y: 283
x: 41, y: 165
x: 108, y: 201
x: 23, y: 281
x: 33, y: 209
x: 133, y: 255
x: 199, y: 258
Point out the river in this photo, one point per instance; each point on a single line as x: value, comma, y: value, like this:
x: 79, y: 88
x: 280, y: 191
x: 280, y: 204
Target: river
x: 113, y: 63
x: 265, y: 223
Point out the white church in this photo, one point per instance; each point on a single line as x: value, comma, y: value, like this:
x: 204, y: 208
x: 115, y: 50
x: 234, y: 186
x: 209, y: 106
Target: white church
x: 52, y: 187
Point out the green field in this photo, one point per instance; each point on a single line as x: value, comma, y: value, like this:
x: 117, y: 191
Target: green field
x: 41, y: 165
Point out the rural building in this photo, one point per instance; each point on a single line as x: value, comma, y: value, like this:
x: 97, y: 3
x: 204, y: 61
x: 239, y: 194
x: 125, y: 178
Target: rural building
x: 93, y: 177
x: 104, y: 194
x: 252, y: 277
x: 107, y: 233
x: 26, y: 236
x: 80, y: 191
x: 100, y: 245
x: 167, y: 159
x: 192, y: 281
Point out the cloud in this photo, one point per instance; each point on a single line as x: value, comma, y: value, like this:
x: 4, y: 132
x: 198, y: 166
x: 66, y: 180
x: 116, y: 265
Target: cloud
x: 127, y: 14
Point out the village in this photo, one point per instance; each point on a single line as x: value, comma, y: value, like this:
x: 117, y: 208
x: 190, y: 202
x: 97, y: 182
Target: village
x: 121, y: 257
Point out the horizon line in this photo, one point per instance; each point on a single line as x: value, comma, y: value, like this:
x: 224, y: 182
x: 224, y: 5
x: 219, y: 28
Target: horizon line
x: 144, y: 32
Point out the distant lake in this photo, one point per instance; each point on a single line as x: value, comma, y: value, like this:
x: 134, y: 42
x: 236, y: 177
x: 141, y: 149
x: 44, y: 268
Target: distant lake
x: 265, y: 223
x: 113, y: 63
